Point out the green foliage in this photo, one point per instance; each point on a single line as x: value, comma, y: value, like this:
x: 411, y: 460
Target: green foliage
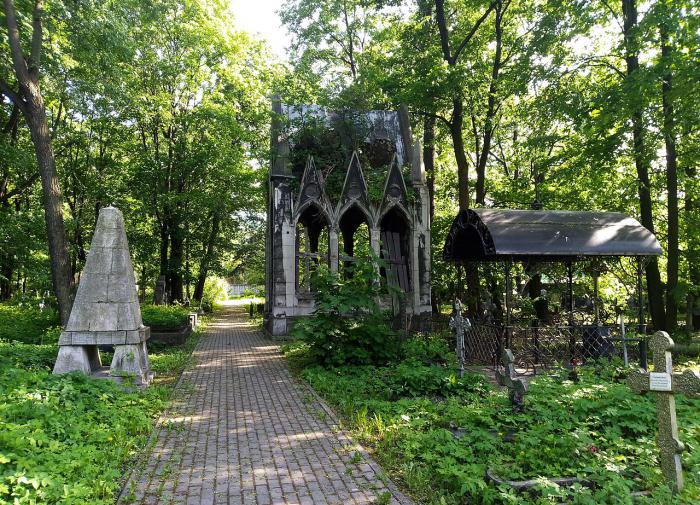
x: 164, y: 317
x: 28, y: 324
x: 169, y: 361
x: 348, y: 326
x: 30, y: 356
x: 440, y: 434
x: 214, y: 291
x: 65, y: 438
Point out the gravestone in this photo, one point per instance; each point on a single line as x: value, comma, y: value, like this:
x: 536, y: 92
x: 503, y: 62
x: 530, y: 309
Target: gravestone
x: 159, y: 297
x: 106, y: 310
x: 516, y: 387
x: 460, y: 325
x: 664, y: 384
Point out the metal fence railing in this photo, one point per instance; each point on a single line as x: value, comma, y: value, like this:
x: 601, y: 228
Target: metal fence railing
x: 537, y: 348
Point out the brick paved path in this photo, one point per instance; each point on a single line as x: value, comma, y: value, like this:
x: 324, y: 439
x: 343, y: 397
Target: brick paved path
x: 243, y: 432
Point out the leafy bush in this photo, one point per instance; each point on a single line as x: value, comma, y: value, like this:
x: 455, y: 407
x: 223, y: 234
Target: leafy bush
x: 31, y: 356
x: 165, y: 317
x: 65, y: 438
x: 215, y: 290
x: 28, y: 324
x: 348, y: 327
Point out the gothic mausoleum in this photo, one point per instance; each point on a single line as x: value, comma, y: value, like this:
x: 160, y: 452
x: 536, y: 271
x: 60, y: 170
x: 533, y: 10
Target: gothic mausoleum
x: 340, y: 182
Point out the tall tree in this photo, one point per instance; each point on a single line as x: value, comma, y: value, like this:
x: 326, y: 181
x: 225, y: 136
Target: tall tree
x: 456, y: 121
x: 669, y: 132
x: 640, y: 154
x: 29, y: 100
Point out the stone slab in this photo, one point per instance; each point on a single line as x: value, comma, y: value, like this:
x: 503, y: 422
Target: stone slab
x: 175, y: 337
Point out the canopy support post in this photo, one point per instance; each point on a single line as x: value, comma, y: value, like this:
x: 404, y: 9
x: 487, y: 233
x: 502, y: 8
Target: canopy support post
x: 570, y: 288
x: 509, y: 308
x: 641, y: 325
x: 596, y: 304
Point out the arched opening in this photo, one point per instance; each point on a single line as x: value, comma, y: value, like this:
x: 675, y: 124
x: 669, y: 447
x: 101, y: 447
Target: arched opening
x: 394, y: 233
x: 311, y: 246
x: 354, y: 236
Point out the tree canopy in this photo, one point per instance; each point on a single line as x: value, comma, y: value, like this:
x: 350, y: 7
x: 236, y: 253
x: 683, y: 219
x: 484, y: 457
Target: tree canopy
x: 163, y: 109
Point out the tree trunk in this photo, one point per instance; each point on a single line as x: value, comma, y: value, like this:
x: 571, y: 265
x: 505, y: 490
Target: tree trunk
x: 30, y: 101
x: 6, y: 274
x: 61, y: 274
x: 671, y: 187
x: 692, y: 229
x: 207, y: 258
x: 460, y: 155
x: 480, y: 186
x: 654, y: 286
x: 164, y: 245
x: 175, y: 263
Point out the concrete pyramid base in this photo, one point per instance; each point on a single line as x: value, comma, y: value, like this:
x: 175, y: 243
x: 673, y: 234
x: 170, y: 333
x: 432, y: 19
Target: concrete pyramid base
x: 131, y: 359
x: 82, y: 358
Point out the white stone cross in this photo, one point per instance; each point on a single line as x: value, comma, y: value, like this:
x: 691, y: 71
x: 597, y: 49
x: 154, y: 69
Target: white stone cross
x: 664, y: 384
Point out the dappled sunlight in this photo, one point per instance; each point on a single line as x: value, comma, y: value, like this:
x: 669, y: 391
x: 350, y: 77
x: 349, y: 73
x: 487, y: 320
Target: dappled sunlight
x: 242, y: 420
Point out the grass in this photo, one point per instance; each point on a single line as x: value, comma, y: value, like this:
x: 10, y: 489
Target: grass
x: 68, y: 438
x: 437, y: 434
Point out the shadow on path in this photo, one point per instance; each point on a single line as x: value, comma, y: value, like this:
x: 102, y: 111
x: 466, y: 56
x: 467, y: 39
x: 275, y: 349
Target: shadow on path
x: 241, y: 431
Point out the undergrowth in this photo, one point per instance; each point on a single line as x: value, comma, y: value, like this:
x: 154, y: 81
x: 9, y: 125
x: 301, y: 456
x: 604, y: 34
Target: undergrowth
x: 438, y: 434
x: 165, y: 317
x: 68, y: 438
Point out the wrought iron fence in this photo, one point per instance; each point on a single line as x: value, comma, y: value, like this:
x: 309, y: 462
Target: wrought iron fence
x: 538, y: 348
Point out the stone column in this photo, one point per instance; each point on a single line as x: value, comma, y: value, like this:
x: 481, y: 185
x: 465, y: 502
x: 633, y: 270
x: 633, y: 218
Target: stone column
x: 333, y: 249
x: 374, y: 240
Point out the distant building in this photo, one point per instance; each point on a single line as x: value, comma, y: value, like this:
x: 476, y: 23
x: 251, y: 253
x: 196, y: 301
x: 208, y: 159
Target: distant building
x: 340, y: 181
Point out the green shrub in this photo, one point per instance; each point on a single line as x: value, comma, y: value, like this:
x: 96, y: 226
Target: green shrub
x: 65, y: 439
x: 439, y: 435
x: 28, y: 324
x: 348, y: 326
x: 215, y: 290
x: 165, y: 317
x: 31, y: 356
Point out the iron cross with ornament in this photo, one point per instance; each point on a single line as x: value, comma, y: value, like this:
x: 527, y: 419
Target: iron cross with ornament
x: 460, y: 325
x: 665, y: 384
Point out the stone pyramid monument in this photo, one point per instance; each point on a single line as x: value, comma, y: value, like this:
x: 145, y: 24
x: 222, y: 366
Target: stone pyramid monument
x: 106, y: 310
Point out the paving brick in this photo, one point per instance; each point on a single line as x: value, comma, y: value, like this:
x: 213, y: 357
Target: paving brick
x: 242, y: 431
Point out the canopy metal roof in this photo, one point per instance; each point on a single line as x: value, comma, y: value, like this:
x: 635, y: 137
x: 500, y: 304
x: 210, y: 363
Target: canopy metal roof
x: 547, y: 235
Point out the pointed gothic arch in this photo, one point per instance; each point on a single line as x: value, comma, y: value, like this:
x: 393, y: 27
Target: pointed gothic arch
x: 395, y: 232
x: 311, y: 244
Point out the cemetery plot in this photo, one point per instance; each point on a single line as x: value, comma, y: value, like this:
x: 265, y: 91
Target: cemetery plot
x: 590, y: 441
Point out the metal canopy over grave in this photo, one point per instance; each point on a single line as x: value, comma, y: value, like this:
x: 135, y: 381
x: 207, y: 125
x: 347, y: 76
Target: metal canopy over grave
x: 548, y: 235
x: 544, y: 236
